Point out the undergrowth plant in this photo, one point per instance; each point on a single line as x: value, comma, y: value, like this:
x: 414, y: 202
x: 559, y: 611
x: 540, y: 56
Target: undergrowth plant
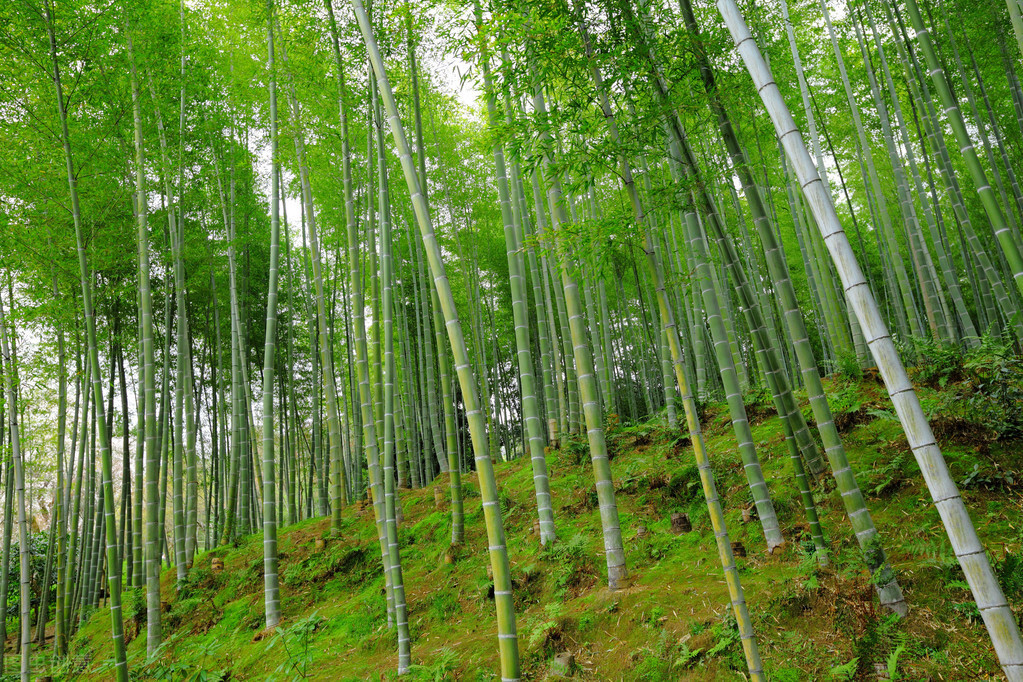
x: 295, y: 641
x: 440, y: 670
x: 981, y: 389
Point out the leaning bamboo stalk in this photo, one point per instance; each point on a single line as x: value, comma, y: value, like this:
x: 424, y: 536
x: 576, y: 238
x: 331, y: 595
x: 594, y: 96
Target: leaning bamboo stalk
x: 669, y: 328
x: 530, y: 406
x: 852, y: 497
x: 60, y: 508
x: 955, y: 120
x: 1017, y: 21
x: 582, y: 362
x: 390, y: 499
x: 908, y: 311
x: 337, y: 480
x: 507, y: 637
x: 24, y: 546
x: 994, y: 609
x: 113, y: 564
x: 968, y: 331
x: 740, y: 422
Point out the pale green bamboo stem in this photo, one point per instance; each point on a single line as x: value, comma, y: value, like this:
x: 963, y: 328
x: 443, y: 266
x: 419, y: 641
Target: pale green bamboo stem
x: 388, y: 492
x: 955, y: 120
x: 507, y: 637
x: 852, y: 498
x: 994, y: 609
x: 24, y: 541
x: 271, y: 582
x: 113, y: 564
x: 337, y: 479
x: 614, y: 552
x: 524, y: 357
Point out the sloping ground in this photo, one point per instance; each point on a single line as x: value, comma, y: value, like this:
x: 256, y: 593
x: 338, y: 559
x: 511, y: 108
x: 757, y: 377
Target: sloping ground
x: 673, y: 621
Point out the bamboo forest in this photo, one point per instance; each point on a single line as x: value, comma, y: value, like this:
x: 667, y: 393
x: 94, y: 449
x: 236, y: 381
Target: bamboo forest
x: 511, y: 340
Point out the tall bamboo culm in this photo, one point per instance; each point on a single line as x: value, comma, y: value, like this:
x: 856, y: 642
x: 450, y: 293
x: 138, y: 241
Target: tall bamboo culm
x: 504, y: 604
x: 271, y: 582
x: 113, y: 564
x: 998, y: 617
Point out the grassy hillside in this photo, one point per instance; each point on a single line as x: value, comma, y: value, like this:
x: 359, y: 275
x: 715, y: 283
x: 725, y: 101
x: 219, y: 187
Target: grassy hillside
x: 673, y: 621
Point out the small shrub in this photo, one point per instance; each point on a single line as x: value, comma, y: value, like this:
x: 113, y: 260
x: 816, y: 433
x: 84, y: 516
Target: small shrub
x: 544, y: 631
x: 759, y: 404
x: 571, y: 562
x: 1010, y: 575
x: 982, y: 390
x: 848, y: 366
x: 968, y: 610
x: 727, y: 642
x: 652, y: 668
x: 684, y: 487
x: 576, y: 449
x: 846, y: 407
x: 989, y: 478
x: 889, y: 476
x: 845, y: 671
x: 936, y: 363
x: 653, y: 619
x: 133, y: 604
x: 866, y: 649
x: 586, y: 621
x: 446, y: 663
x: 687, y: 657
x: 295, y: 642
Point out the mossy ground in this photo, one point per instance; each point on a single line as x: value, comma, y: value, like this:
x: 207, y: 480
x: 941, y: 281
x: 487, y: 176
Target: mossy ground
x: 673, y: 621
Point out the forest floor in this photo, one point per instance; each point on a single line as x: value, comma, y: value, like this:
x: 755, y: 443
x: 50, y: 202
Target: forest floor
x: 672, y: 622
